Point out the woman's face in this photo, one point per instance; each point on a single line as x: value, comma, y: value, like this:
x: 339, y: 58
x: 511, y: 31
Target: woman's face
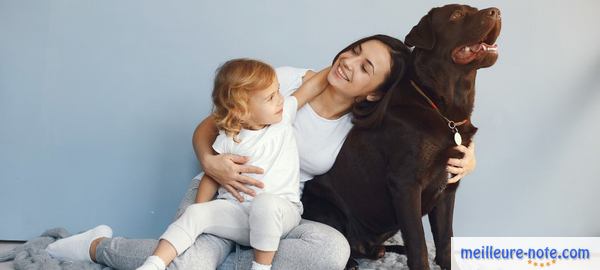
x: 360, y: 70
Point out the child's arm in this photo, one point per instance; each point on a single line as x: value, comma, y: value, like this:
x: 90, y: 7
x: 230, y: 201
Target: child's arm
x: 311, y: 87
x: 206, y: 190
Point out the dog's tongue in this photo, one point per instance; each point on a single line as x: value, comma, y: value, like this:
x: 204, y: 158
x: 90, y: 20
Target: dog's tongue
x: 466, y: 54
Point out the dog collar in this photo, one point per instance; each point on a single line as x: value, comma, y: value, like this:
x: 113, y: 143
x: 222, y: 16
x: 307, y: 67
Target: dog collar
x: 451, y: 124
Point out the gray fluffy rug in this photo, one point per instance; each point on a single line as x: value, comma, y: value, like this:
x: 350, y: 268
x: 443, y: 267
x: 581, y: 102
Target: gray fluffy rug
x: 33, y: 256
x: 393, y: 261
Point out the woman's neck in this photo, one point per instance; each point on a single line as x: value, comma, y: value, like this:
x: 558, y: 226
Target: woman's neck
x: 330, y: 104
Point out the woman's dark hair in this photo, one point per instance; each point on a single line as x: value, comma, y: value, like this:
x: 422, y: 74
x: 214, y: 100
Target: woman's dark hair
x: 369, y: 114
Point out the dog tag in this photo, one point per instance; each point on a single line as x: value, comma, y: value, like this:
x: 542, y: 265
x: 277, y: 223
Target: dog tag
x: 457, y: 138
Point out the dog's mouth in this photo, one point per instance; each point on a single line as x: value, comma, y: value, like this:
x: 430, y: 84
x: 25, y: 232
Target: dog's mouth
x: 487, y: 45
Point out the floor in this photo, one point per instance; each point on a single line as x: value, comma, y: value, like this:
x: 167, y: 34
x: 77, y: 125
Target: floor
x: 4, y: 246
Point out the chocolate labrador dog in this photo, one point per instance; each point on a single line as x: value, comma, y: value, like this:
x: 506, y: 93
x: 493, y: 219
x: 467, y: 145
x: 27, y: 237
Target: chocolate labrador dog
x: 387, y: 177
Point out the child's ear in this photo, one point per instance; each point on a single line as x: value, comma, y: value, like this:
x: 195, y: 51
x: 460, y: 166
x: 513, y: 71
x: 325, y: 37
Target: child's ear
x: 375, y: 96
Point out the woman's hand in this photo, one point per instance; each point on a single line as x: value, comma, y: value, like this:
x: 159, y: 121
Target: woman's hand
x: 227, y: 169
x: 461, y: 167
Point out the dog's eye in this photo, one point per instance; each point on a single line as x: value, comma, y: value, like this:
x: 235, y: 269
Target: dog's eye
x: 456, y: 15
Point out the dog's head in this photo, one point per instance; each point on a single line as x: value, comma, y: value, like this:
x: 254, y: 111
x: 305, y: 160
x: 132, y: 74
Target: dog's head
x: 461, y: 34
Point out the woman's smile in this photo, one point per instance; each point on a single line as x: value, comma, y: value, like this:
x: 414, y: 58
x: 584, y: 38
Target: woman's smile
x: 339, y: 71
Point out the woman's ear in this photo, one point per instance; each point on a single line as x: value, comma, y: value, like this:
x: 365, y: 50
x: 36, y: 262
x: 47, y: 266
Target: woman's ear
x: 375, y: 96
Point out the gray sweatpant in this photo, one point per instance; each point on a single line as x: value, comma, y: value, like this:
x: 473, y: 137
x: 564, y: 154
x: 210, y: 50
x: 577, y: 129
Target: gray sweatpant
x: 259, y: 223
x: 310, y: 245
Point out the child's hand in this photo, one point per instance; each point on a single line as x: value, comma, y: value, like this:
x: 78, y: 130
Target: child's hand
x: 312, y: 87
x: 319, y: 80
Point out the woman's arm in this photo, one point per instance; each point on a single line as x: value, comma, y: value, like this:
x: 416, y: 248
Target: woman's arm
x: 464, y: 166
x: 205, y: 134
x: 312, y: 86
x: 225, y: 169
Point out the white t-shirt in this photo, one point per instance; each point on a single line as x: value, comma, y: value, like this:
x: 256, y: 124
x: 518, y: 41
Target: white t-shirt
x: 272, y: 148
x: 319, y: 139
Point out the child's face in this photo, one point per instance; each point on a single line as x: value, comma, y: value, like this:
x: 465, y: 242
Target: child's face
x: 265, y: 106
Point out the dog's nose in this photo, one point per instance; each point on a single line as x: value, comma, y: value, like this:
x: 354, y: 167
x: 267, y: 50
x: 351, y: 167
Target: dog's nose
x: 492, y: 12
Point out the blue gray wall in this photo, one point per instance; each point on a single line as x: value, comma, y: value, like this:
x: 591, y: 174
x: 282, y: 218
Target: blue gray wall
x: 99, y: 99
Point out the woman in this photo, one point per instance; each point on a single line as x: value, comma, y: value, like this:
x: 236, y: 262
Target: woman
x: 360, y: 76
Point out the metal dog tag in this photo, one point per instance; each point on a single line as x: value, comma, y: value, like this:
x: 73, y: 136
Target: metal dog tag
x: 457, y: 138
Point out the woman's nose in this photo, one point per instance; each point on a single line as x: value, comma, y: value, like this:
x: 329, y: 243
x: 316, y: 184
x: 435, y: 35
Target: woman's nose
x: 353, y: 61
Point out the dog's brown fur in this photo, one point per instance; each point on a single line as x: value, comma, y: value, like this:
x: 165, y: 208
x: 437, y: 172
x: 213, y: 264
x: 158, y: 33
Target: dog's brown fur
x: 385, y: 178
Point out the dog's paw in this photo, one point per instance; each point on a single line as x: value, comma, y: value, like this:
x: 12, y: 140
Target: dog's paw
x: 443, y: 263
x: 351, y: 265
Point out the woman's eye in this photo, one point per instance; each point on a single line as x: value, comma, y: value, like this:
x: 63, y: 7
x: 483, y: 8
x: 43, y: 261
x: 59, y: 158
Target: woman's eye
x: 364, y: 68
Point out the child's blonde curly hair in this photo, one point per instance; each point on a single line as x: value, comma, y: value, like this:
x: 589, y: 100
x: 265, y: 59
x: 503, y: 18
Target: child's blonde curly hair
x: 233, y: 83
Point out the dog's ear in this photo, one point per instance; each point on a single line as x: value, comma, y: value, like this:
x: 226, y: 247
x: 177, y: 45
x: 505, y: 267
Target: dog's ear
x: 421, y: 35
